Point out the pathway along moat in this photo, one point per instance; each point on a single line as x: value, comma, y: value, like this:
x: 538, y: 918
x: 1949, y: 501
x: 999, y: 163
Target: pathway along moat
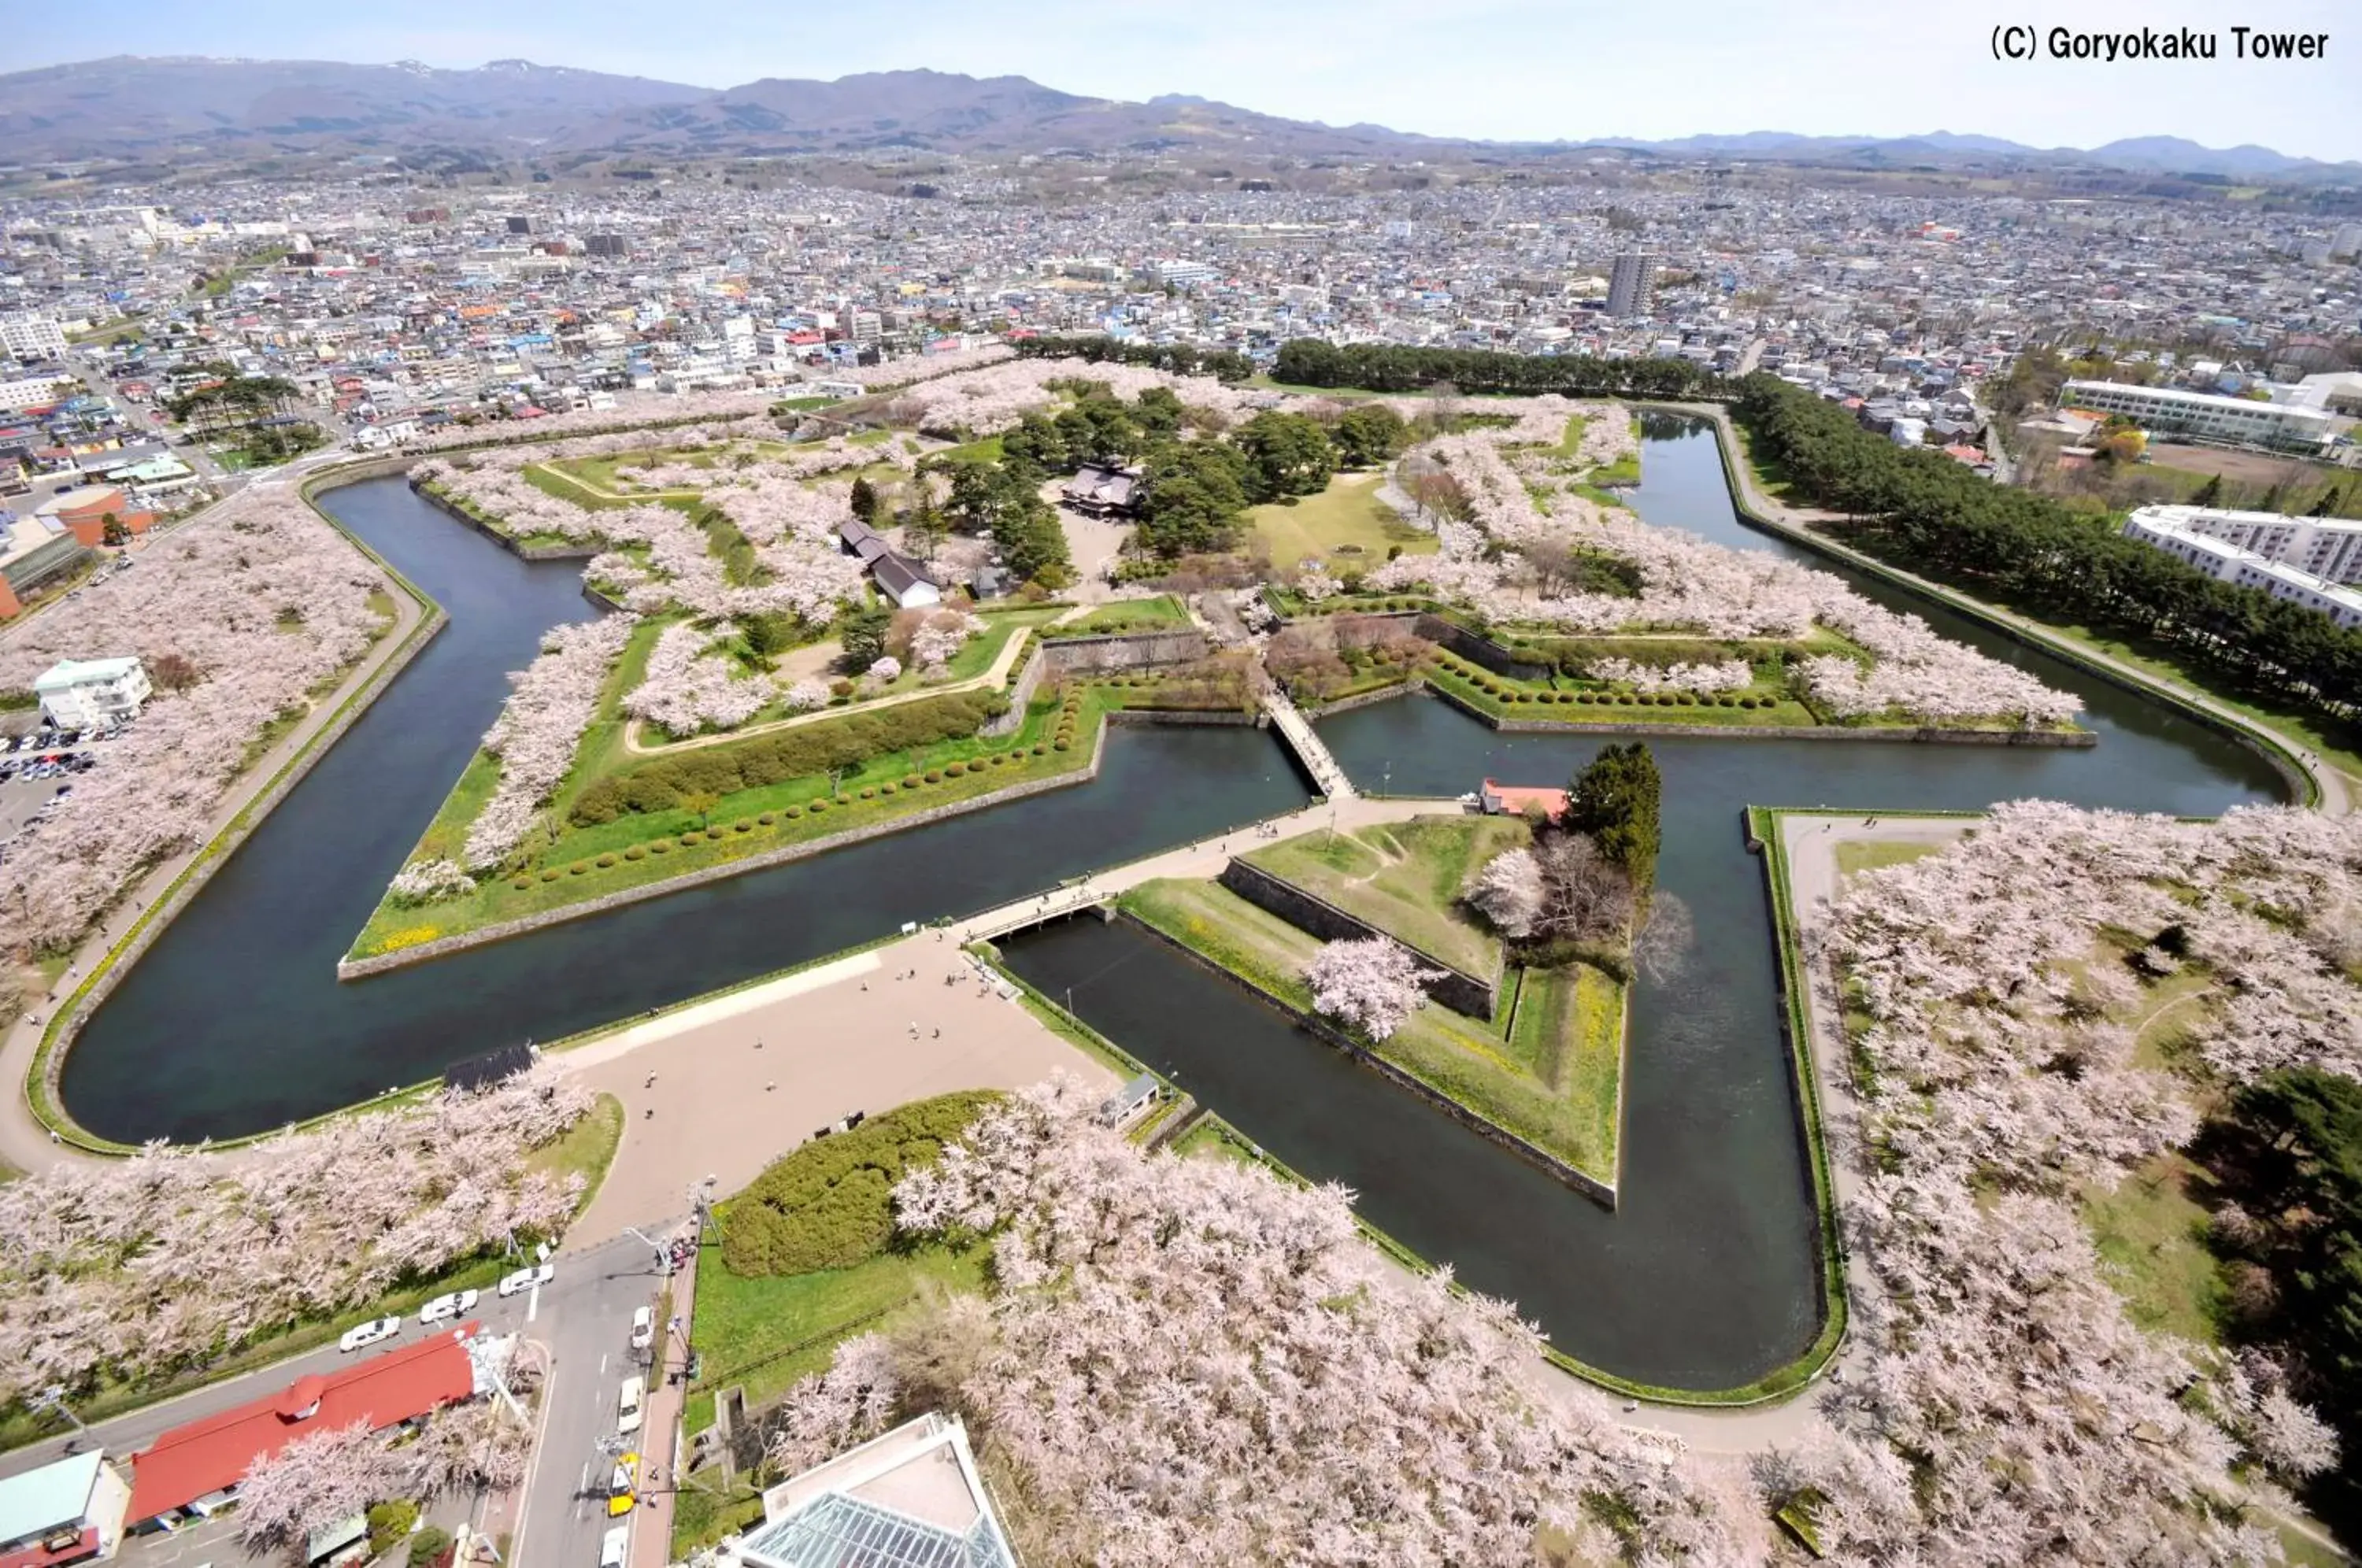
x: 1704, y: 1277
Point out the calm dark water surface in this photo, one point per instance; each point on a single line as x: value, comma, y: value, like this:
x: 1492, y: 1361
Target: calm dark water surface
x: 1704, y: 1277
x: 235, y: 1021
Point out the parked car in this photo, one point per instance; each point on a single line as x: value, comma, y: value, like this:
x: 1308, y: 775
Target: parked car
x: 524, y: 1279
x: 643, y: 1327
x: 628, y: 1413
x: 450, y: 1304
x: 370, y: 1333
x: 614, y: 1547
x: 620, y: 1484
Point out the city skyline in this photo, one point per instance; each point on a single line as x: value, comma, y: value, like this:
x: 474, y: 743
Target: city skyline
x: 1500, y: 69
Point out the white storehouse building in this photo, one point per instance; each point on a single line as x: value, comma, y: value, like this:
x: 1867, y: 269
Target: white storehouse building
x: 2263, y: 551
x: 81, y: 694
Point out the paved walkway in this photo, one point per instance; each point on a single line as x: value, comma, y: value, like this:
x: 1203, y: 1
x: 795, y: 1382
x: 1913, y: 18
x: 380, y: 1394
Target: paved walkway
x: 1811, y: 843
x: 24, y: 1142
x: 995, y: 676
x: 2339, y: 790
x: 740, y: 1080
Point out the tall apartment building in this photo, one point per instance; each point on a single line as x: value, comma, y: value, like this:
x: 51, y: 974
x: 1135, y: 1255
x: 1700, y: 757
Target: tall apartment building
x: 1631, y: 285
x: 2230, y: 547
x: 608, y: 245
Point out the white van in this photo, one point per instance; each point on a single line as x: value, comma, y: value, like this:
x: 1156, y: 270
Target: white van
x: 614, y: 1547
x: 627, y: 1405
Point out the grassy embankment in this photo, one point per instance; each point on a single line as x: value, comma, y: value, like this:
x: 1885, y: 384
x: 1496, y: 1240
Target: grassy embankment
x: 1164, y: 613
x: 801, y: 1260
x: 1345, y: 525
x: 977, y: 654
x: 1547, y: 1067
x: 588, y: 1148
x: 1404, y: 878
x: 638, y: 848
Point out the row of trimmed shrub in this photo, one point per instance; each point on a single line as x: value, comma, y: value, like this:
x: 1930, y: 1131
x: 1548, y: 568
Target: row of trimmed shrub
x: 802, y: 752
x: 696, y: 836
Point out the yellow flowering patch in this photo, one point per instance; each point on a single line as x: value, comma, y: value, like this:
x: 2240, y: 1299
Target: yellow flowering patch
x: 408, y: 936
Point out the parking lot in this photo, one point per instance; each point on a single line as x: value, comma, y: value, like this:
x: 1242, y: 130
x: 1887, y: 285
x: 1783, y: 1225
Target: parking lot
x: 32, y: 781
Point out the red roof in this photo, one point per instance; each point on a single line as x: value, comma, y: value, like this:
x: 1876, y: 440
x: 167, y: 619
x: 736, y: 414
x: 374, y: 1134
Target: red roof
x: 385, y: 1390
x: 1516, y: 799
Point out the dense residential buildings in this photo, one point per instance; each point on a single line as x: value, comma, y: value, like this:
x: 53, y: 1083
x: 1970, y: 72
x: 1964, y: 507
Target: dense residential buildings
x: 2210, y: 541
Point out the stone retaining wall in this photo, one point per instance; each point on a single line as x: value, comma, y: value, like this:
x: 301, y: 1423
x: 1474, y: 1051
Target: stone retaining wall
x: 1590, y: 1186
x: 1476, y: 649
x: 1361, y: 700
x: 1452, y: 988
x: 1123, y: 650
x: 1021, y: 694
x: 2073, y: 739
x: 1207, y: 716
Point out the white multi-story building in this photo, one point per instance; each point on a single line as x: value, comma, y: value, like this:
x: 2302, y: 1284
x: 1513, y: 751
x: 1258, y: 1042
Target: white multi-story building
x: 2183, y: 533
x: 81, y: 694
x: 2327, y: 547
x: 32, y: 335
x: 2204, y: 416
x: 34, y: 391
x: 1182, y: 273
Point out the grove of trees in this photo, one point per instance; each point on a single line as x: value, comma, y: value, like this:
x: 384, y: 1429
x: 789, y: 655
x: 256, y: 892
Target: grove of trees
x: 1923, y: 512
x: 1390, y: 368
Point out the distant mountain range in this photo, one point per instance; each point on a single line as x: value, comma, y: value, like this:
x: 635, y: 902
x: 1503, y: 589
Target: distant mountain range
x: 134, y: 108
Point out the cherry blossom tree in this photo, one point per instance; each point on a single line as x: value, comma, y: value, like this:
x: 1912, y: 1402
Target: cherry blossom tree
x: 117, y: 1268
x: 262, y: 603
x: 1190, y: 1363
x: 2036, y: 1420
x: 538, y: 731
x: 1509, y: 892
x: 1372, y: 983
x: 425, y: 881
x: 315, y: 1481
x: 690, y: 684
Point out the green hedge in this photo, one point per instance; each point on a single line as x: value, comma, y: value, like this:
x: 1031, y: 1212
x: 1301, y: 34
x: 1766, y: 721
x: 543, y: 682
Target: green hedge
x: 804, y: 751
x: 830, y: 1204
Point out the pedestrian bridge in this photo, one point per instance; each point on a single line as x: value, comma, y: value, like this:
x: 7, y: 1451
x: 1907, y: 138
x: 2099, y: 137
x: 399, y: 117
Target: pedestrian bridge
x: 1306, y: 742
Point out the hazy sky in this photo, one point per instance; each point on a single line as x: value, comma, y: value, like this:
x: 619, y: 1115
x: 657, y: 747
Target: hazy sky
x: 1504, y: 69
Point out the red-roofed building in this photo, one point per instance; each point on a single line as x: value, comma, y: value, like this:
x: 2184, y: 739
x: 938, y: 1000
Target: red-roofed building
x: 1516, y: 800
x: 213, y: 1454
